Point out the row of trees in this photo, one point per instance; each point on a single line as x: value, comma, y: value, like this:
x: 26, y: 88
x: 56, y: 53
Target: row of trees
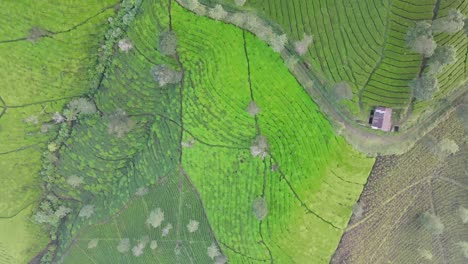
x: 420, y: 39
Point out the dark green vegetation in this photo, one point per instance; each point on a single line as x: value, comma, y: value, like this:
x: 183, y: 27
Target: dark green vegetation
x: 220, y: 181
x: 46, y: 53
x: 414, y: 205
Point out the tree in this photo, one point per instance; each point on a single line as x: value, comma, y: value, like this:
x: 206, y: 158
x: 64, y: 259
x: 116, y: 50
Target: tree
x: 82, y: 106
x: 432, y: 223
x: 424, y: 87
x: 153, y: 244
x: 260, y: 147
x: 62, y: 211
x: 166, y: 230
x: 155, y: 218
x: 124, y: 245
x: 93, y: 243
x: 168, y: 43
x: 253, y: 108
x: 125, y: 45
x: 221, y: 259
x: 463, y: 212
x: 119, y: 123
x: 302, y: 46
x: 238, y: 19
x: 465, y: 26
x: 425, y: 254
x: 277, y: 42
x: 213, y: 251
x: 141, y: 191
x: 74, y: 181
x: 443, y: 56
x: 138, y: 249
x: 419, y: 39
x: 260, y: 208
x: 164, y: 75
x: 36, y: 33
x: 218, y: 12
x: 452, y: 23
x: 358, y: 210
x: 58, y: 118
x: 463, y: 248
x: 87, y: 211
x: 342, y: 91
x: 447, y: 147
x: 240, y: 2
x: 192, y: 226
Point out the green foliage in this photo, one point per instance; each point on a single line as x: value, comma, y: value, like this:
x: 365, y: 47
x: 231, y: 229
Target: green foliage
x: 452, y: 23
x: 424, y: 87
x: 119, y: 124
x: 168, y: 43
x: 419, y: 39
x: 443, y: 56
x: 164, y: 75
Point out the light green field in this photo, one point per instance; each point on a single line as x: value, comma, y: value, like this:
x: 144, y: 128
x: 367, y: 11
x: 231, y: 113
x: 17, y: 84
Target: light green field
x: 36, y: 79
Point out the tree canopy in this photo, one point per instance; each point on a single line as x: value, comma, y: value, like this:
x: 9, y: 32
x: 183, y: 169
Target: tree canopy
x: 424, y: 87
x: 419, y: 39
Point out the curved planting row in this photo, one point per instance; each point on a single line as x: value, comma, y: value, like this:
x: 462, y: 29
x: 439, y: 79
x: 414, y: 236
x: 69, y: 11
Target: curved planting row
x: 423, y: 221
x: 46, y: 51
x: 308, y: 178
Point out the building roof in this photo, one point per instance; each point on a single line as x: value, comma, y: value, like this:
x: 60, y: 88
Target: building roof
x: 382, y: 119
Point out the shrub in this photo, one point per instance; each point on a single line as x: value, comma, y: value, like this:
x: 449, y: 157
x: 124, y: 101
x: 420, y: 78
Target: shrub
x: 58, y: 118
x: 155, y: 218
x: 432, y: 223
x: 78, y: 106
x: 342, y: 90
x: 424, y: 87
x: 240, y: 2
x: 463, y: 248
x: 218, y: 12
x: 125, y: 45
x: 358, y: 210
x: 93, y: 243
x: 124, y: 245
x: 452, y: 23
x: 419, y: 39
x: 260, y: 208
x: 164, y: 75
x: 443, y: 56
x: 119, y: 123
x: 302, y: 46
x: 153, y: 244
x: 166, y: 230
x: 168, y: 43
x: 425, y: 254
x: 221, y: 259
x: 447, y: 147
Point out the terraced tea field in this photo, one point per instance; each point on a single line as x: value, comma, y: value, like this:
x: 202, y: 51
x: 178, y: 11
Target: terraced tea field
x: 389, y: 228
x: 44, y: 60
x: 363, y: 44
x: 190, y: 146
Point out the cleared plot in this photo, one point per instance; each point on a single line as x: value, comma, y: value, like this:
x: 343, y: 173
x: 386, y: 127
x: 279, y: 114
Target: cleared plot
x: 303, y: 152
x: 44, y: 60
x: 400, y: 190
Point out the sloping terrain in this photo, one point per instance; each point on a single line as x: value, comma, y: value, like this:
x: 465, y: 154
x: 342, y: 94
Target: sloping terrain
x: 190, y: 146
x: 45, y: 57
x: 400, y: 190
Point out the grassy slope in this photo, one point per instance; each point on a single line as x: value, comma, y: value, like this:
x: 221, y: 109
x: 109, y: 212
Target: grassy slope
x: 389, y: 230
x: 225, y: 173
x: 51, y: 68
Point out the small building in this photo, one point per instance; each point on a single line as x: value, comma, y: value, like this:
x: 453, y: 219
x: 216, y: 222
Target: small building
x: 381, y: 118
